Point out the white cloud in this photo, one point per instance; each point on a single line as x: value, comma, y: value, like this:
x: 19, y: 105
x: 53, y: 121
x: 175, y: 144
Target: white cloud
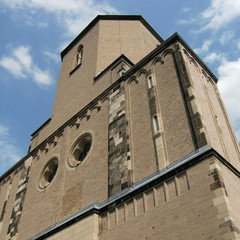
x: 214, y: 57
x: 204, y: 48
x: 53, y: 56
x: 73, y: 15
x: 22, y: 55
x: 13, y: 66
x: 63, y: 46
x: 10, y: 153
x: 185, y: 9
x: 187, y: 21
x: 226, y: 37
x: 3, y: 130
x: 21, y: 65
x: 238, y: 44
x: 220, y: 13
x: 229, y: 78
x: 41, y: 77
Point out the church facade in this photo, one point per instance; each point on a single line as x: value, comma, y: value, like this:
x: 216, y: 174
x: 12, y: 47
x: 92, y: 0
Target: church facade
x: 139, y: 146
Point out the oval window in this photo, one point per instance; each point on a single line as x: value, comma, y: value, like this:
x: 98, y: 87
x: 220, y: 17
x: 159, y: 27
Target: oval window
x: 48, y: 173
x: 80, y: 150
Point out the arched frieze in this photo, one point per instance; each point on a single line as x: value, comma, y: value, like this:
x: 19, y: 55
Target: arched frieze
x: 168, y: 51
x: 133, y: 79
x: 206, y: 75
x: 136, y: 78
x: 46, y: 147
x: 160, y: 59
x: 157, y: 60
x: 9, y: 179
x: 76, y: 123
x: 209, y: 79
x: 191, y: 59
x: 16, y: 171
x: 52, y: 142
x: 55, y: 140
x: 104, y: 99
x: 36, y: 155
x: 85, y: 116
x: 187, y: 54
x: 140, y: 72
x: 96, y: 108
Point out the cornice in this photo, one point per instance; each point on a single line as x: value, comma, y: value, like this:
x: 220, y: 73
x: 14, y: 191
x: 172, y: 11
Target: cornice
x: 172, y: 39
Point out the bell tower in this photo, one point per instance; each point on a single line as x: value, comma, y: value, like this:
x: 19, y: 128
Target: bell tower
x: 104, y: 40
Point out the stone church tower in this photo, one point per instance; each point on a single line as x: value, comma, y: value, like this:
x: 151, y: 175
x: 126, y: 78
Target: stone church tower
x: 139, y: 146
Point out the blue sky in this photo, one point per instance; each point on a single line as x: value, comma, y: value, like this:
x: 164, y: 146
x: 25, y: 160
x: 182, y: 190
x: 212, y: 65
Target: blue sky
x: 34, y: 32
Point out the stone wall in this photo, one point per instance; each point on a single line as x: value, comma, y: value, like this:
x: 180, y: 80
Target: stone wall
x: 119, y: 159
x: 192, y: 205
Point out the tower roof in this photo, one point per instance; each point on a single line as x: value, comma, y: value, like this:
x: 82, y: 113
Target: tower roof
x: 111, y: 17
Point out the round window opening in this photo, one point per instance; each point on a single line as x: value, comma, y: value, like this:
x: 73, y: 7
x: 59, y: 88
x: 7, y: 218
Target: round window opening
x: 48, y: 173
x: 81, y: 149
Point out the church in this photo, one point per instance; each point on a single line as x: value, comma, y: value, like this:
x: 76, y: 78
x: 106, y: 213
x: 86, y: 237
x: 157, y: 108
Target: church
x: 139, y: 146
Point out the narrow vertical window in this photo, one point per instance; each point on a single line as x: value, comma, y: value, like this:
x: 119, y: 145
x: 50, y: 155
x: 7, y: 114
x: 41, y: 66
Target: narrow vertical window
x: 79, y: 55
x: 150, y: 82
x: 155, y: 124
x: 77, y: 60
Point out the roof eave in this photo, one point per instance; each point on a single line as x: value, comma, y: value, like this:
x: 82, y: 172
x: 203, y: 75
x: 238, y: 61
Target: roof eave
x: 173, y: 38
x: 110, y: 17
